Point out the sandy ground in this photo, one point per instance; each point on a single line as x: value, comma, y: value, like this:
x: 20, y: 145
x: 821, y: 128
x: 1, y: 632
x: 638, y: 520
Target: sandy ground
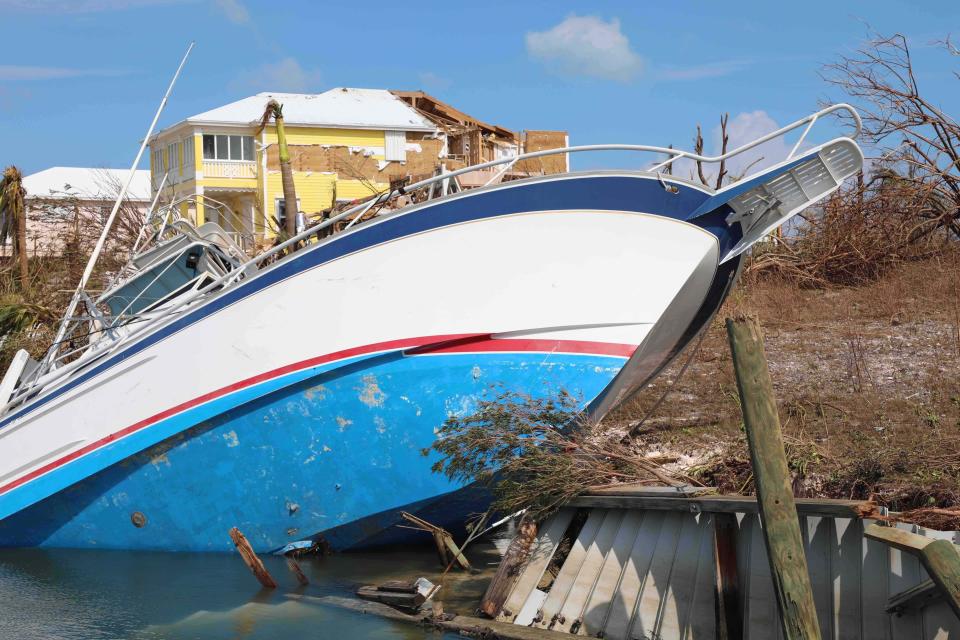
x: 867, y: 381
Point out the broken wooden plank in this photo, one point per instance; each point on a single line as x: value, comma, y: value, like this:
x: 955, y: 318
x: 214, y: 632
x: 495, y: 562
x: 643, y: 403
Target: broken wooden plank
x: 777, y: 507
x: 251, y: 560
x: 914, y: 598
x: 939, y: 557
x: 411, y: 601
x: 541, y: 554
x: 726, y: 504
x: 446, y: 547
x: 401, y: 586
x: 513, y: 561
x: 480, y: 628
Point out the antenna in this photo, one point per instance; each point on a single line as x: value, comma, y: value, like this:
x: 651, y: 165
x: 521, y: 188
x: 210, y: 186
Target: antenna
x: 88, y: 271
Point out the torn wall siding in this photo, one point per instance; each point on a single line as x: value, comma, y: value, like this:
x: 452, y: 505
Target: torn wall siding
x: 540, y: 141
x: 422, y: 159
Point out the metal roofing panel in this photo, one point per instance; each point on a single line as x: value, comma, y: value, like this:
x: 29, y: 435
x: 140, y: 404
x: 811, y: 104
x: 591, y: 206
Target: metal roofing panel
x: 651, y: 574
x: 337, y: 108
x: 86, y: 183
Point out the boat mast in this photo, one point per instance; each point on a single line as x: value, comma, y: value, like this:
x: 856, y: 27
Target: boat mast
x: 88, y: 271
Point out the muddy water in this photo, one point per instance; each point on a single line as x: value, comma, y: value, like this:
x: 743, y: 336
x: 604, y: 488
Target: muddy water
x: 85, y: 595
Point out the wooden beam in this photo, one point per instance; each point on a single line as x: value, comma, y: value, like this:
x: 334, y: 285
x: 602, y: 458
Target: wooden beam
x: 251, y: 560
x: 509, y: 569
x: 778, y: 510
x: 726, y: 504
x: 648, y: 491
x: 916, y: 597
x: 939, y: 557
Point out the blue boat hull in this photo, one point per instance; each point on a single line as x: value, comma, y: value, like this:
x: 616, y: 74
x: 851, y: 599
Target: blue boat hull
x: 337, y: 452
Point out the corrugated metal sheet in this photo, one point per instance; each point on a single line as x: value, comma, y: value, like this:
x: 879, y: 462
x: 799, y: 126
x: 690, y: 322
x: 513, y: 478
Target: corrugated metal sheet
x: 634, y: 574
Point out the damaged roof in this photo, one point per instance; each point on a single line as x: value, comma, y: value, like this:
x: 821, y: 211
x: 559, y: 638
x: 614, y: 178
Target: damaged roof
x: 341, y: 108
x: 446, y: 114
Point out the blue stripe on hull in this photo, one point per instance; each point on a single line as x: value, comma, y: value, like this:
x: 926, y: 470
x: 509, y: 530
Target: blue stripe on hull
x: 337, y: 451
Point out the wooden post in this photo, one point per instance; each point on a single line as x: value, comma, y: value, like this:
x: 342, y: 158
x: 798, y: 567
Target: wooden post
x: 251, y: 560
x: 939, y: 557
x: 295, y: 569
x: 509, y: 569
x: 778, y: 511
x: 729, y: 621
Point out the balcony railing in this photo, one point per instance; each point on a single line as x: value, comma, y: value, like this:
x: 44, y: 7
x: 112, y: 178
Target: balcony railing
x: 229, y: 169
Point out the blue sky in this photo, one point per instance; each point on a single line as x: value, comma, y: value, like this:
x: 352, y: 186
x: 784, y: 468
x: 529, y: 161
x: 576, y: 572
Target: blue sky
x: 80, y: 79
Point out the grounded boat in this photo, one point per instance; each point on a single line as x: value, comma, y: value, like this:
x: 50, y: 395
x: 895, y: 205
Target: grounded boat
x: 292, y: 399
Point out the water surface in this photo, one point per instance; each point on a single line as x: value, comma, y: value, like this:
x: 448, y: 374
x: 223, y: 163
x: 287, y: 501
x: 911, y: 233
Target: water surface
x: 84, y: 594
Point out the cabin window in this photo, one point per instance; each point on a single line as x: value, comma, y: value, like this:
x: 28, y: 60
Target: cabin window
x: 396, y: 146
x: 222, y: 147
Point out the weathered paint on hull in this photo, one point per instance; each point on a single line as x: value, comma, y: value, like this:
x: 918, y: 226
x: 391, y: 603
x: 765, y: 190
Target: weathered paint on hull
x: 339, y: 451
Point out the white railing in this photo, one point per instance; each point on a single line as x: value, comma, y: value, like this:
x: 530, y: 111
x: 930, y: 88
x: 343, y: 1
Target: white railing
x: 44, y: 376
x: 229, y: 169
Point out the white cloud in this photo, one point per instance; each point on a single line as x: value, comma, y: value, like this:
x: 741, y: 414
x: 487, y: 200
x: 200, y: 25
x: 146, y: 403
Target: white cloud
x: 285, y: 75
x: 746, y: 127
x: 586, y: 46
x: 13, y: 73
x: 699, y: 72
x: 81, y: 6
x: 234, y: 10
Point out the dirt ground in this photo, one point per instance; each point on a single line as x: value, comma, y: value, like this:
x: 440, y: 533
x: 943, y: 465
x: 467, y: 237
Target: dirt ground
x: 867, y: 381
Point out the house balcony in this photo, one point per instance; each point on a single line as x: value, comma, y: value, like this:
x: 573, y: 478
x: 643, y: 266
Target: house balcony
x: 229, y: 169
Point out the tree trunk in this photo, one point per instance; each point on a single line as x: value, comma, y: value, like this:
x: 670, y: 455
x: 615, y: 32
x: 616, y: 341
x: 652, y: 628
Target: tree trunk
x: 286, y: 175
x: 22, y: 249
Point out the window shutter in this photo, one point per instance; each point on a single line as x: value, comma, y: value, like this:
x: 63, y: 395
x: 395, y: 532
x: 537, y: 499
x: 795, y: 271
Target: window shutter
x: 396, y: 146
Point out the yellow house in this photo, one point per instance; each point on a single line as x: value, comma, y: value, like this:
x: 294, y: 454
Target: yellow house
x: 346, y: 144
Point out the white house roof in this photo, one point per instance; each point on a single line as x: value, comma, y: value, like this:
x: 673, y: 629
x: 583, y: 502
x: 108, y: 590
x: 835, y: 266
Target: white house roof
x: 340, y: 108
x: 86, y: 183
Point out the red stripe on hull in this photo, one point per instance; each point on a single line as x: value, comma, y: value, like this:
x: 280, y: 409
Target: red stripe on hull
x: 457, y: 343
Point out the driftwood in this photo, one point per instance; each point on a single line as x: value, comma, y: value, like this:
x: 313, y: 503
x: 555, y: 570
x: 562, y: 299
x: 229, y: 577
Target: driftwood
x: 397, y: 593
x: 295, y: 569
x: 251, y: 560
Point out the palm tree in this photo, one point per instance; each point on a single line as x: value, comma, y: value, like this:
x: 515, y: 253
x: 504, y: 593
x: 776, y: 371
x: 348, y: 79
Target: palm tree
x: 275, y: 110
x: 13, y: 215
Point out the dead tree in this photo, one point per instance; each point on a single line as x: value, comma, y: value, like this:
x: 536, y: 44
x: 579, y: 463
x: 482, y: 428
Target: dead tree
x: 698, y: 149
x: 916, y: 139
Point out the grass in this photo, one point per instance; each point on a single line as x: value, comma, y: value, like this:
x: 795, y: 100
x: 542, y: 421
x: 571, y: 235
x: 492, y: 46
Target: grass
x: 868, y: 384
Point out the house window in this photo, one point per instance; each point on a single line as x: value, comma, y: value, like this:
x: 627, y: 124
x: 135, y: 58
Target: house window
x: 158, y: 161
x: 188, y: 152
x: 222, y: 147
x: 396, y: 146
x: 173, y: 155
